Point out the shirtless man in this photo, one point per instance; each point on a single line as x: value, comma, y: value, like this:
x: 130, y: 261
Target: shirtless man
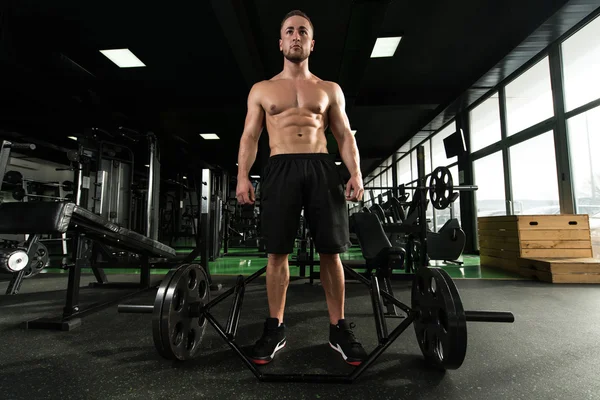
x: 297, y: 107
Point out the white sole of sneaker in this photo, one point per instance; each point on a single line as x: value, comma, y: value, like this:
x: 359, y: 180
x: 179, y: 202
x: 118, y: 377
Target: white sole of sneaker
x: 339, y: 350
x: 279, y: 346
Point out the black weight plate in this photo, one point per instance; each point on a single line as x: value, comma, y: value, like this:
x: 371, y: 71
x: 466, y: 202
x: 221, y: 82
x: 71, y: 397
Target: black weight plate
x: 440, y: 324
x: 157, y: 312
x: 182, y: 333
x: 18, y: 194
x: 460, y: 349
x: 38, y: 261
x: 13, y: 177
x: 441, y: 188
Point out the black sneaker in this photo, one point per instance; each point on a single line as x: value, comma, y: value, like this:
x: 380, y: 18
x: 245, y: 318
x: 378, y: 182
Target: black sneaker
x: 342, y: 340
x: 272, y: 340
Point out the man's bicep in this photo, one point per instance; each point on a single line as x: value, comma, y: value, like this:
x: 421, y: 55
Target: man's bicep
x: 338, y: 119
x: 255, y: 115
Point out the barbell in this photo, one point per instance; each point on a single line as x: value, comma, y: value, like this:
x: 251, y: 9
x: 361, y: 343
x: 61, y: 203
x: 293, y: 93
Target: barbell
x: 16, y: 178
x: 19, y: 194
x: 441, y: 188
x: 182, y: 305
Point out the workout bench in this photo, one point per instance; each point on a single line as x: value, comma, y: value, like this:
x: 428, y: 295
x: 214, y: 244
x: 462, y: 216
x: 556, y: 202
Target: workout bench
x: 84, y: 227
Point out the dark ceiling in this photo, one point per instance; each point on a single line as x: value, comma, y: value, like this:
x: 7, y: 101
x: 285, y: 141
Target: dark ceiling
x: 202, y: 58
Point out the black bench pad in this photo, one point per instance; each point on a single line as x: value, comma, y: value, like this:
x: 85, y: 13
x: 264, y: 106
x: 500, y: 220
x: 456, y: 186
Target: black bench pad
x: 60, y: 217
x: 370, y: 233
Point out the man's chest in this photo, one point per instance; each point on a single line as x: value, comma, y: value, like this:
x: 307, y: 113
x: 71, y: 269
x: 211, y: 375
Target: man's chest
x: 288, y: 96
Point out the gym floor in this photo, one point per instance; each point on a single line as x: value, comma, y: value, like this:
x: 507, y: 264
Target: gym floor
x: 552, y: 350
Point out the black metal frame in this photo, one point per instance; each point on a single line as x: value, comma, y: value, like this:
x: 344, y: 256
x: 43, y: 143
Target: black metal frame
x: 378, y: 297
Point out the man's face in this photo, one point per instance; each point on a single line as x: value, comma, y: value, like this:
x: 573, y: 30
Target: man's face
x: 296, y: 39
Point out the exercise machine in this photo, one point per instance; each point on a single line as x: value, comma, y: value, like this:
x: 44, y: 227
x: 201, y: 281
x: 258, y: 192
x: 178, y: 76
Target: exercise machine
x: 422, y: 244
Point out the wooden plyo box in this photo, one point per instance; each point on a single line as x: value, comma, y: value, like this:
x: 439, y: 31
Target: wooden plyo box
x: 504, y: 240
x: 561, y: 270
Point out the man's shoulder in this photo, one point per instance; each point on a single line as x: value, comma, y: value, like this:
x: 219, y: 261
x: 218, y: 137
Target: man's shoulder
x: 265, y: 84
x: 330, y: 84
x: 332, y: 88
x: 259, y: 84
x: 259, y: 87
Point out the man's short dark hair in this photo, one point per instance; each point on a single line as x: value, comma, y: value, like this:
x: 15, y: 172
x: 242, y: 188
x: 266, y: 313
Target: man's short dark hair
x: 297, y: 13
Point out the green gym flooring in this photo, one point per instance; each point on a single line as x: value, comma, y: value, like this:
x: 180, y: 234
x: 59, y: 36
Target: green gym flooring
x: 235, y: 264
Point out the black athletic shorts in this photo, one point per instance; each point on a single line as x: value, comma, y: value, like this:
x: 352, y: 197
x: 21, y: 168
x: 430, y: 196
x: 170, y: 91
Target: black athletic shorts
x: 312, y: 181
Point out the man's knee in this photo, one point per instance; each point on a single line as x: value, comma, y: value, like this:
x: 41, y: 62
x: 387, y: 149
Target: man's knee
x: 329, y: 258
x: 278, y: 260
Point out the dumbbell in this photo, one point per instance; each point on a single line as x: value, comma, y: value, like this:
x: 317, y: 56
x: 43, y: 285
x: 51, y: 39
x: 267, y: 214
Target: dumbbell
x: 19, y: 194
x: 16, y: 178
